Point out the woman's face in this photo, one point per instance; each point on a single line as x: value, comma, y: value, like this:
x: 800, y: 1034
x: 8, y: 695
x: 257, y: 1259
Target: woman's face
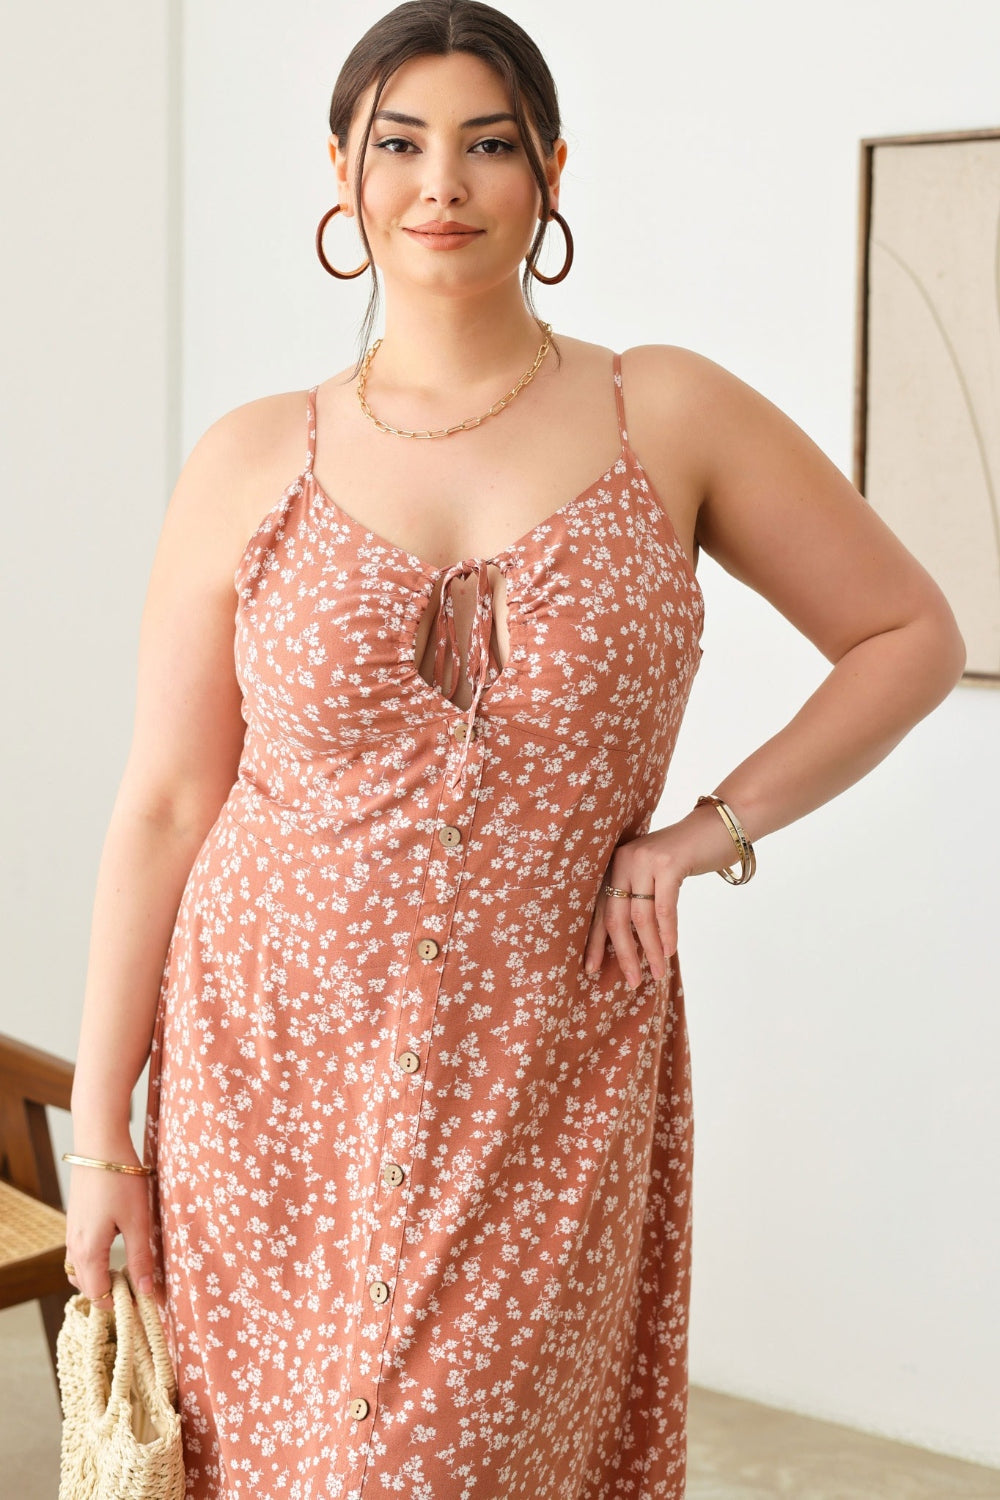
x: 446, y: 168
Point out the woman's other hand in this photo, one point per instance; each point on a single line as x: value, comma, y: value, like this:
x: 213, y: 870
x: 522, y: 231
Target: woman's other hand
x: 103, y: 1204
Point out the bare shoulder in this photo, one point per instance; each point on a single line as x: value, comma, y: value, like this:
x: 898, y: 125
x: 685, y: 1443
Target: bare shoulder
x: 236, y: 472
x: 652, y: 374
x: 253, y: 432
x: 668, y: 378
x: 722, y: 414
x: 670, y: 395
x: 717, y: 426
x: 261, y: 445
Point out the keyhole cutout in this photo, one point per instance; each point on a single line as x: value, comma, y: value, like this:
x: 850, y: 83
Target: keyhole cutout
x: 463, y: 598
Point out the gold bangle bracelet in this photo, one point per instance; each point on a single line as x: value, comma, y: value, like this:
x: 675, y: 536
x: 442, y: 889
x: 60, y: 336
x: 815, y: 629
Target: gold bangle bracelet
x: 748, y: 860
x: 109, y: 1166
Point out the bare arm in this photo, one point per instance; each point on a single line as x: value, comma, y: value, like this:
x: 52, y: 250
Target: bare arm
x: 182, y: 762
x: 778, y: 515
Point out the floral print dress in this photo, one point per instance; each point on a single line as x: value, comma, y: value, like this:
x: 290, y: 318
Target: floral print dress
x: 422, y: 1202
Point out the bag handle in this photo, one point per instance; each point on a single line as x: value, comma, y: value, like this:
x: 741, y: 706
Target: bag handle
x: 139, y: 1344
x: 156, y: 1344
x: 107, y: 1329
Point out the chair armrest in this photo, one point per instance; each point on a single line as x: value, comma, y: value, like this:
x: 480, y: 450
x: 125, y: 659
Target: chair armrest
x: 28, y: 1072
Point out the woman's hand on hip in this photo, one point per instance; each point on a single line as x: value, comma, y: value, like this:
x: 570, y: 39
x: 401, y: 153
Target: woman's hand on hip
x: 654, y: 865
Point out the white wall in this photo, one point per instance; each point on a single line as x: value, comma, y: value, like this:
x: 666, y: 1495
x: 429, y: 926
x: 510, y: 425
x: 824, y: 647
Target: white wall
x: 90, y: 438
x: 844, y: 1025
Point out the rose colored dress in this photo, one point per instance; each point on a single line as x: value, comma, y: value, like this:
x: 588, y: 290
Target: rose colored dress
x: 422, y: 1217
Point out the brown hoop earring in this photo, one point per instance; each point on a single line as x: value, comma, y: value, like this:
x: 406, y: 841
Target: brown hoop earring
x: 551, y: 280
x: 340, y: 275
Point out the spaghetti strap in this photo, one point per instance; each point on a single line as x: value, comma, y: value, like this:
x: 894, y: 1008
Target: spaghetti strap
x: 311, y: 428
x: 620, y: 400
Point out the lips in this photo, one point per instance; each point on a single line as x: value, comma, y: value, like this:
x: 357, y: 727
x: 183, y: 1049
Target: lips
x: 446, y: 226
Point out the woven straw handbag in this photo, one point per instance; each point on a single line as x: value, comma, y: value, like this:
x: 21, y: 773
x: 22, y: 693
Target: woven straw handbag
x: 121, y: 1432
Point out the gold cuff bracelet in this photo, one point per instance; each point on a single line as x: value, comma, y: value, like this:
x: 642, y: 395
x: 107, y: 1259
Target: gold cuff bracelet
x: 109, y: 1166
x: 748, y: 860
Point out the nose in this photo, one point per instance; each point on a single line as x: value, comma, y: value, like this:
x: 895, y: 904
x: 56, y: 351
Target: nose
x: 442, y: 180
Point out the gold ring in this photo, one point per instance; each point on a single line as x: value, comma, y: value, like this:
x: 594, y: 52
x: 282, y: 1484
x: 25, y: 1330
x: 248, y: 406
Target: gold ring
x: 67, y: 1266
x: 614, y: 890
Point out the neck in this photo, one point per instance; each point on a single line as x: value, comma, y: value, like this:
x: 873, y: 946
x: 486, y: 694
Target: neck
x: 439, y: 347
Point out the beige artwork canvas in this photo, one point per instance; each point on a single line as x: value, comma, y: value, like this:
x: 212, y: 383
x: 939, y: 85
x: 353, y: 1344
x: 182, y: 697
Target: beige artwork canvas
x: 927, y: 436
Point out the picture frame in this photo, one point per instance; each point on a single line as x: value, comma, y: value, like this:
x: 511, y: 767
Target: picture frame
x: 927, y: 387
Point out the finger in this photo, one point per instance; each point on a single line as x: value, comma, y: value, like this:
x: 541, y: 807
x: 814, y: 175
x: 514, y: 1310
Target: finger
x: 646, y: 927
x: 102, y: 1286
x: 101, y: 1297
x: 665, y: 910
x: 593, y: 953
x: 140, y: 1260
x: 619, y: 924
x: 92, y: 1274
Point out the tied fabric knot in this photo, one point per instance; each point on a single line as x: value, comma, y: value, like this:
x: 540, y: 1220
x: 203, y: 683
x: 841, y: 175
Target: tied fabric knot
x: 446, y: 640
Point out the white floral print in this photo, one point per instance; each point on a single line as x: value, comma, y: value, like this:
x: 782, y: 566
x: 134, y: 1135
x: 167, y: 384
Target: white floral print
x: 422, y: 1203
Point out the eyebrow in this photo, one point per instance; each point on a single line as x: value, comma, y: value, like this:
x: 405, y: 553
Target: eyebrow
x: 400, y: 119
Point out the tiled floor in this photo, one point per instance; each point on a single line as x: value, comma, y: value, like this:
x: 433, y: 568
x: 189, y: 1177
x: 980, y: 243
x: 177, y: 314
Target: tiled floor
x: 737, y: 1449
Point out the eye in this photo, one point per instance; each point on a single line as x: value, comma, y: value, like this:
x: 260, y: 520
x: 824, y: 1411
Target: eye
x: 389, y: 142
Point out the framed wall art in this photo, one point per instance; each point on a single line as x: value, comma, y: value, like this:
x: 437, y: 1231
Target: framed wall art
x: 927, y: 399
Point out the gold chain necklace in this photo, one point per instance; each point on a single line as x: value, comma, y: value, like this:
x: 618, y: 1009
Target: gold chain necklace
x: 497, y: 406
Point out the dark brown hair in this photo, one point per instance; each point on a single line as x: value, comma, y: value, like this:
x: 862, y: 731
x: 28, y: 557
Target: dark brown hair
x: 422, y: 28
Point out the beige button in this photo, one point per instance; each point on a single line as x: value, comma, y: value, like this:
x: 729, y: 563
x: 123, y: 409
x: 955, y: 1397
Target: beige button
x: 428, y: 949
x: 450, y: 836
x: 378, y: 1291
x: 392, y: 1175
x: 461, y: 731
x: 408, y: 1061
x: 358, y: 1408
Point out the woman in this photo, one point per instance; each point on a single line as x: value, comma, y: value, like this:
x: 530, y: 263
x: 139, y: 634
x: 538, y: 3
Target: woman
x: 379, y: 896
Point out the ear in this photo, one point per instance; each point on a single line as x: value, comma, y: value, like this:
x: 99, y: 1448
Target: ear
x: 339, y: 159
x: 553, y: 169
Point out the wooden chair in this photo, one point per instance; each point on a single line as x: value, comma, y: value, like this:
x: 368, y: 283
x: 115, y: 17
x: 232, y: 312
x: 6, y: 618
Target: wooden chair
x: 32, y: 1222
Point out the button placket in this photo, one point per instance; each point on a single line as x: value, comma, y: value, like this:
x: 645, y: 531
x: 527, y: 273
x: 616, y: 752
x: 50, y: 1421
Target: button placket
x: 464, y: 747
x: 408, y: 1066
